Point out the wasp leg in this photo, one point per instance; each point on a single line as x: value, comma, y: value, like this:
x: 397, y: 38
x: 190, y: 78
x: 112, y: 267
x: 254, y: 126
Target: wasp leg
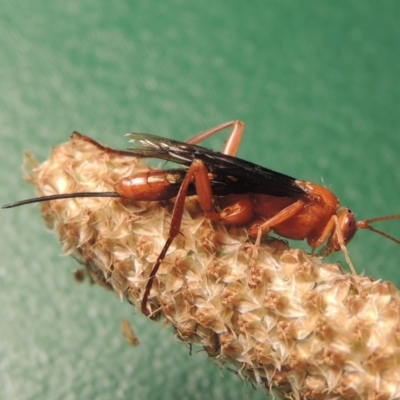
x: 199, y: 173
x: 333, y: 227
x: 252, y: 277
x: 281, y: 216
x: 232, y: 144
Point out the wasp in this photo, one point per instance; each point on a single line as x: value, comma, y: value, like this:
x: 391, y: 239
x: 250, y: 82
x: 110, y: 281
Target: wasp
x: 231, y: 191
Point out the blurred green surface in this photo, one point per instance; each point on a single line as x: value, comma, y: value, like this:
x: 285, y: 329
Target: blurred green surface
x: 317, y: 84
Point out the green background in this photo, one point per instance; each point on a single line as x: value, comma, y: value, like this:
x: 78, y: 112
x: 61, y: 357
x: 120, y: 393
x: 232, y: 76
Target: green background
x: 317, y: 84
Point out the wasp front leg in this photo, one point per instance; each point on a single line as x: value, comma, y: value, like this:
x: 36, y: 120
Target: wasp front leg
x: 333, y: 233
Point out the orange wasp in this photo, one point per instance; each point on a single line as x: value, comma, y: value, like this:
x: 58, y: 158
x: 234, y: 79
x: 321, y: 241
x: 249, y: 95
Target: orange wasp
x: 232, y: 191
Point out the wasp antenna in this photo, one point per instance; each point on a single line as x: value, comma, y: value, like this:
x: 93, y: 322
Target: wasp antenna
x: 60, y: 197
x: 365, y: 224
x: 377, y: 219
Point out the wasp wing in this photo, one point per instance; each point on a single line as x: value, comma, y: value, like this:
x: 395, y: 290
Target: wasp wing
x: 229, y: 174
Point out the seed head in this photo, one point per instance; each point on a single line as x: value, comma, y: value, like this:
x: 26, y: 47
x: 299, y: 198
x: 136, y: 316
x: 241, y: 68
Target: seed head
x: 302, y: 331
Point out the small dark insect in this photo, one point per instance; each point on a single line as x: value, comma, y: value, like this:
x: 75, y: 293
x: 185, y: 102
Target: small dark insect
x: 232, y: 191
x: 128, y: 333
x: 79, y: 275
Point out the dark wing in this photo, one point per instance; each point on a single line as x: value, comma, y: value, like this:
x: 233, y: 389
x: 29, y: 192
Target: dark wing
x: 230, y: 175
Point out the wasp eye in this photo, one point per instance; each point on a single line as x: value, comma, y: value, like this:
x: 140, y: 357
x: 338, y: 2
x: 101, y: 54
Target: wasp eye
x: 347, y: 223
